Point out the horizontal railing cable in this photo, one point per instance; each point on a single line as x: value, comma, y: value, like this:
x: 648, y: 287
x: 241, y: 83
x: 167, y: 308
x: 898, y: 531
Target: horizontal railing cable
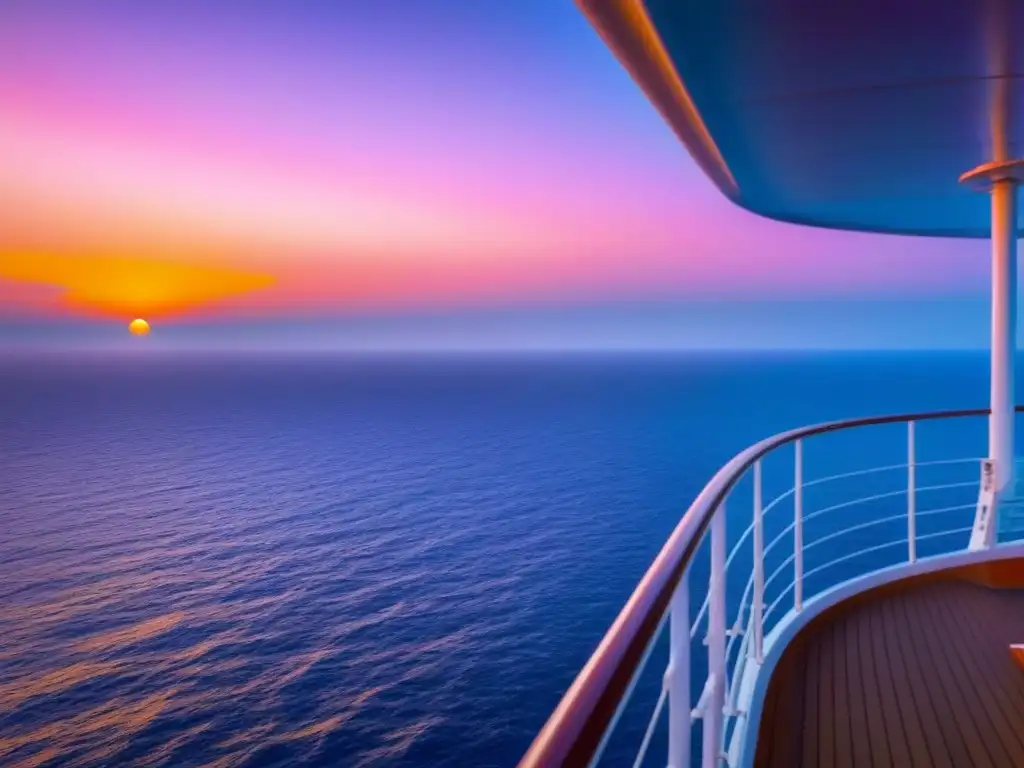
x: 859, y: 553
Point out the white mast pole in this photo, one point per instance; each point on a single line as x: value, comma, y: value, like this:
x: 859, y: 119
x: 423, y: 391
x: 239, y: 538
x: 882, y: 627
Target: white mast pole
x: 1004, y: 332
x: 1001, y: 178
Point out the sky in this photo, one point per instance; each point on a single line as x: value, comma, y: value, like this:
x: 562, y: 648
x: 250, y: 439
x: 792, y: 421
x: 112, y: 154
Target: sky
x: 401, y: 174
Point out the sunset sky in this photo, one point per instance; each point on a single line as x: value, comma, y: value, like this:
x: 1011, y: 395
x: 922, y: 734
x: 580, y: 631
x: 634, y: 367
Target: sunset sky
x: 454, y: 173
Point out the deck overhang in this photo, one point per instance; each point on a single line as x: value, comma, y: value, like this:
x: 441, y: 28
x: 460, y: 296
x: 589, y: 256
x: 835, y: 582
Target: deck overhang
x: 858, y: 116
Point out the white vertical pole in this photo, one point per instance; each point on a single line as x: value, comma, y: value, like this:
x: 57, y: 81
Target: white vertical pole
x: 714, y: 712
x: 1004, y: 327
x: 911, y: 495
x: 679, y: 677
x: 798, y: 526
x: 757, y: 613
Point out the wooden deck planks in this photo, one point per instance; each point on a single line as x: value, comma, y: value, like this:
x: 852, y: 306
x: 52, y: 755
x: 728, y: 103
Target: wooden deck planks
x: 812, y: 675
x: 955, y: 717
x: 896, y: 729
x: 918, y: 717
x: 989, y: 713
x: 826, y: 699
x: 876, y: 732
x: 1007, y: 697
x: 785, y: 743
x: 919, y: 676
x: 844, y: 749
x: 855, y: 690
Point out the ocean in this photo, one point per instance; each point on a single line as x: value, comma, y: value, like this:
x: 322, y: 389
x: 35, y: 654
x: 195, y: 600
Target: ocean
x: 370, y: 560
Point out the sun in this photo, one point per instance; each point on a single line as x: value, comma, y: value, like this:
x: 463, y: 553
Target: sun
x: 139, y: 327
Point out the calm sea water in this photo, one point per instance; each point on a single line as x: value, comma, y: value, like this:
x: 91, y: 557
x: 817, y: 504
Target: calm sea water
x: 365, y: 561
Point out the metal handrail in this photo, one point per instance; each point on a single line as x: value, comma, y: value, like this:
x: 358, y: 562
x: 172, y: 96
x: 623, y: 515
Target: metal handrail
x: 807, y: 484
x: 575, y: 731
x: 734, y: 691
x: 859, y: 553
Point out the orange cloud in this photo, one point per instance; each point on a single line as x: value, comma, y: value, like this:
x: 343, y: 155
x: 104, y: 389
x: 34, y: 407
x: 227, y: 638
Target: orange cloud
x: 120, y: 286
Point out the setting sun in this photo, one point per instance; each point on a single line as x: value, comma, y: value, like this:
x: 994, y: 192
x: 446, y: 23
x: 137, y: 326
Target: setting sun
x: 139, y: 327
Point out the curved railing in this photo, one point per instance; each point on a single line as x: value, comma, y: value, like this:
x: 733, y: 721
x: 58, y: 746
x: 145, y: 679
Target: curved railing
x: 577, y: 732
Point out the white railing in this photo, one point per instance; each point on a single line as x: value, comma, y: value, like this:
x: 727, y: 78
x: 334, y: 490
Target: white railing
x: 935, y: 501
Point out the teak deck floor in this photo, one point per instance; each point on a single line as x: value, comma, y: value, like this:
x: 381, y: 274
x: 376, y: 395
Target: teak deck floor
x: 918, y: 676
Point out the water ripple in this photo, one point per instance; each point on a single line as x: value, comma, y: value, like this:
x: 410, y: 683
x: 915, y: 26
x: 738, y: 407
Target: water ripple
x: 336, y: 562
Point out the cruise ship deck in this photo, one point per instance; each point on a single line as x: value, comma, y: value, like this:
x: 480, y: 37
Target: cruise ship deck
x: 884, y: 116
x: 918, y: 674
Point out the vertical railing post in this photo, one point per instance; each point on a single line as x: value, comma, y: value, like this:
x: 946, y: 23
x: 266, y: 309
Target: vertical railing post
x: 678, y: 678
x: 757, y: 609
x: 715, y: 710
x: 911, y: 495
x: 798, y: 526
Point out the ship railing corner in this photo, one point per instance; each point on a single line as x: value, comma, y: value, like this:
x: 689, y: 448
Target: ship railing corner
x: 787, y: 528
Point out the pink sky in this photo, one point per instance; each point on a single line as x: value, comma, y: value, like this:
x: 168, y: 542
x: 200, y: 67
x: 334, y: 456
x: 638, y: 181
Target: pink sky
x: 380, y: 169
